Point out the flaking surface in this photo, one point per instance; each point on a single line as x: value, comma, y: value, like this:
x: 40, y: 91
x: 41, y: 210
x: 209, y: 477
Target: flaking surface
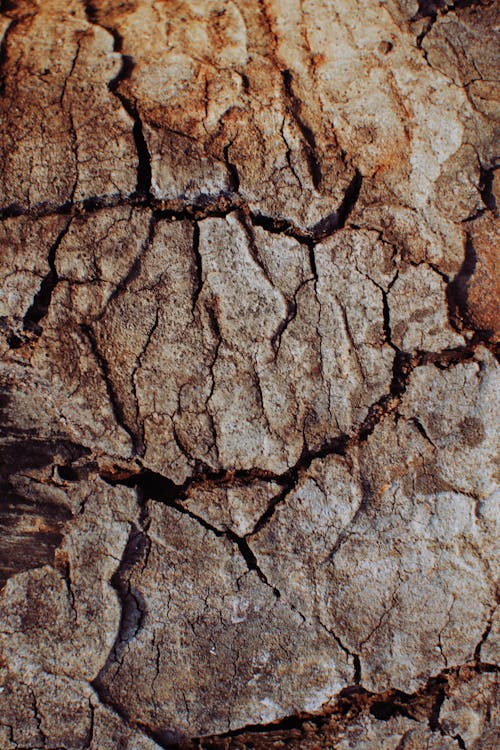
x: 249, y: 313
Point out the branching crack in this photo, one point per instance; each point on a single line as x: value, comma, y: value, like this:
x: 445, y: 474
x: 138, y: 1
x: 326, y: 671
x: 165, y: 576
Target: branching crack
x: 218, y: 205
x: 158, y: 487
x: 155, y: 488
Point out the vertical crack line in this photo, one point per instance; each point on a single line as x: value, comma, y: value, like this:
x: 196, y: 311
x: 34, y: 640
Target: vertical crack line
x: 133, y: 613
x: 350, y: 338
x: 250, y: 559
x: 90, y: 733
x: 271, y: 508
x: 386, y: 310
x: 234, y: 177
x: 349, y: 200
x: 312, y: 263
x: 215, y: 328
x: 487, y: 631
x: 218, y: 341
x: 291, y: 314
x: 116, y: 407
x: 42, y: 299
x: 387, y: 319
x: 253, y: 249
x: 38, y: 717
x: 197, y: 267
x: 309, y: 140
x: 144, y: 174
x: 73, y: 132
x: 140, y: 438
x: 69, y: 590
x: 314, y: 271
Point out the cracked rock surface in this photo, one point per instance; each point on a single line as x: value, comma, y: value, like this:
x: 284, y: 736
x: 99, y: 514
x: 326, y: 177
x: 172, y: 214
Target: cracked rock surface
x: 249, y: 319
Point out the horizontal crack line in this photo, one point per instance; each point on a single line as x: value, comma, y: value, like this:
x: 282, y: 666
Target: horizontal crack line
x: 158, y: 487
x: 421, y: 706
x: 217, y: 205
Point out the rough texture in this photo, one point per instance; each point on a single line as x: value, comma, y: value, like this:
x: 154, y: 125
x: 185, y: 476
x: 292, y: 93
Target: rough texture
x: 249, y: 311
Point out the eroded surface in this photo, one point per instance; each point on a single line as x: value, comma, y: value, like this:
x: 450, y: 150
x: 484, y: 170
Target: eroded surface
x: 248, y: 319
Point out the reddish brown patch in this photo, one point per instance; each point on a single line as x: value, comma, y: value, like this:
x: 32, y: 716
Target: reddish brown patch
x: 482, y: 303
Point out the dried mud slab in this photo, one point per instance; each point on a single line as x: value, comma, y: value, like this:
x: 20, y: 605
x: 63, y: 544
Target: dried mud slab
x: 249, y: 317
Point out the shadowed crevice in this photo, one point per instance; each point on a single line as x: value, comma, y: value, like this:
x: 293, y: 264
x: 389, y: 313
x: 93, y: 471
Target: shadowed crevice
x: 423, y: 705
x: 309, y: 140
x: 42, y: 299
x: 457, y: 289
x: 157, y: 487
x: 486, y: 188
x: 143, y: 186
x: 114, y: 401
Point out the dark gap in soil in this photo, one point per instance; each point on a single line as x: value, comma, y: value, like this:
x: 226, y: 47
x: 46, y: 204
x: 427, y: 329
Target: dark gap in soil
x: 234, y: 178
x: 486, y: 188
x: 143, y: 186
x: 116, y: 406
x: 42, y: 299
x: 307, y: 133
x: 197, y: 266
x: 350, y: 198
x: 457, y: 289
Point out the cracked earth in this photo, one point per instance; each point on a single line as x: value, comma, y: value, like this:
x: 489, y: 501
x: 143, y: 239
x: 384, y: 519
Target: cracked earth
x: 249, y: 318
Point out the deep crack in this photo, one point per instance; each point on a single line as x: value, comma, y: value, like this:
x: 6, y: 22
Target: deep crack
x: 42, y: 299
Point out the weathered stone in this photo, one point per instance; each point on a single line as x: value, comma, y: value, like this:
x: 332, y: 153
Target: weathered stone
x: 64, y: 135
x: 249, y: 311
x: 471, y: 712
x: 216, y: 649
x: 397, y: 529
